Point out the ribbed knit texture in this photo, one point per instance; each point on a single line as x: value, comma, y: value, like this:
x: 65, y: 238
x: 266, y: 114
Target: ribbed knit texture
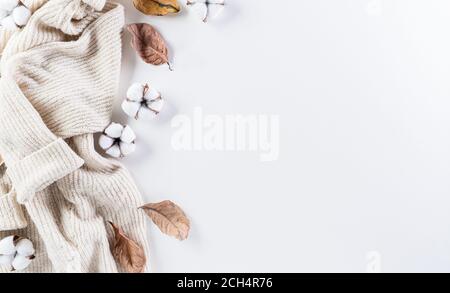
x: 59, y: 76
x: 12, y: 214
x: 4, y: 37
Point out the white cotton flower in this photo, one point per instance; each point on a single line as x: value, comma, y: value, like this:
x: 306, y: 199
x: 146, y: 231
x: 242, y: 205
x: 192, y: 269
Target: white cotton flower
x: 8, y: 245
x: 21, y: 262
x: 16, y: 252
x: 13, y: 14
x: 206, y: 9
x: 114, y: 130
x: 114, y: 151
x: 8, y: 5
x: 6, y: 260
x: 25, y: 247
x: 128, y: 135
x: 127, y: 148
x: 21, y: 15
x: 142, y: 102
x: 8, y: 23
x: 118, y: 140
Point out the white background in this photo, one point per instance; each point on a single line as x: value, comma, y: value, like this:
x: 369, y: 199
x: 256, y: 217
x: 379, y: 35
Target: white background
x: 362, y: 89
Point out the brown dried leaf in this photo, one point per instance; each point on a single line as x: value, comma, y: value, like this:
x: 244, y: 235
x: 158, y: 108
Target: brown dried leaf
x: 149, y: 44
x: 157, y: 7
x: 169, y: 218
x: 127, y: 253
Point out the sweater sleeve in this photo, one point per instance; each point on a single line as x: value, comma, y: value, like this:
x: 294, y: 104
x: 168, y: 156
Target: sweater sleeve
x: 59, y: 76
x: 34, y: 156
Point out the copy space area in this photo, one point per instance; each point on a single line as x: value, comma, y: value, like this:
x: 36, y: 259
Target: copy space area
x: 361, y: 93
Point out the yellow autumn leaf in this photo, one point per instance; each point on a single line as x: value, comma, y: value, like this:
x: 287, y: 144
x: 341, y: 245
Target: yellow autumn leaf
x: 157, y: 7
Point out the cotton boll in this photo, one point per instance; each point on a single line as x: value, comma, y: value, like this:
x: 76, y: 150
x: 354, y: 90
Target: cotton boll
x: 157, y: 105
x: 21, y: 262
x: 25, y: 247
x: 200, y: 9
x: 143, y: 102
x: 215, y: 9
x: 8, y: 5
x: 122, y: 144
x: 206, y: 10
x: 146, y: 114
x: 7, y: 245
x: 114, y: 130
x: 131, y: 108
x: 128, y: 135
x: 105, y: 142
x: 8, y: 23
x: 136, y: 92
x: 152, y: 94
x: 127, y: 148
x: 21, y: 15
x: 114, y: 151
x: 6, y: 260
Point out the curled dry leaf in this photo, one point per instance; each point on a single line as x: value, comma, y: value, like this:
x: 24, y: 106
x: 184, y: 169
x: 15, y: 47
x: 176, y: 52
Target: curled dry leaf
x: 128, y: 254
x: 157, y: 7
x: 169, y: 218
x: 149, y: 44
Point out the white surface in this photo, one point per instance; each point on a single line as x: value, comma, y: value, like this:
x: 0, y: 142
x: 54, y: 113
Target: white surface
x: 362, y: 89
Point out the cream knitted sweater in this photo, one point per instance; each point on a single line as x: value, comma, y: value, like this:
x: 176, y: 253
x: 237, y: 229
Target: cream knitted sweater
x: 59, y: 76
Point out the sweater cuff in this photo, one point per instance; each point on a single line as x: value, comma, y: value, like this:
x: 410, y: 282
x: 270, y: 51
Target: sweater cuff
x: 11, y: 213
x: 43, y: 167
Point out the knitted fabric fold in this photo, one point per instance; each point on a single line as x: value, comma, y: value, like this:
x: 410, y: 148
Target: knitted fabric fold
x: 12, y: 214
x: 59, y: 77
x: 43, y: 167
